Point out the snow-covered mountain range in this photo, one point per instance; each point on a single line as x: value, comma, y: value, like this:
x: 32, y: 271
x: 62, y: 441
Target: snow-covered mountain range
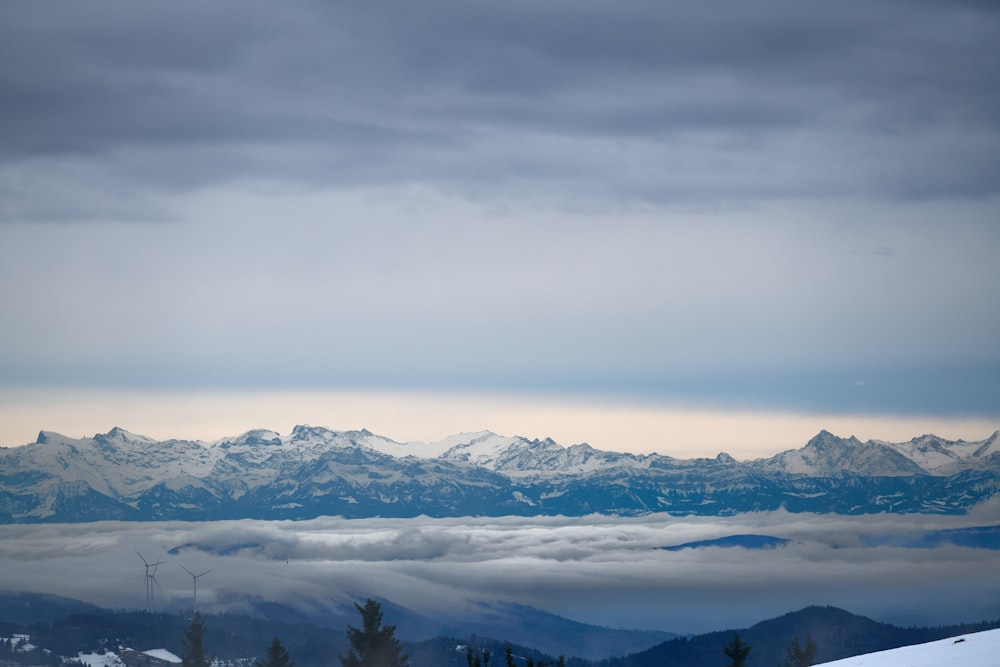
x: 313, y: 471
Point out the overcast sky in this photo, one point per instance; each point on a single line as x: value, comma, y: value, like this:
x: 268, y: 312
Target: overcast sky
x: 518, y: 216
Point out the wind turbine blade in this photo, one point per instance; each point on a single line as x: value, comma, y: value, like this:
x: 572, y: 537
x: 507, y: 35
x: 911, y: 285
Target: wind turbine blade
x: 143, y: 558
x: 188, y: 571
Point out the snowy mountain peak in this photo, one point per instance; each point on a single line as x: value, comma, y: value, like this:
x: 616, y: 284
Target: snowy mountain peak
x: 303, y: 431
x: 989, y: 447
x: 45, y: 436
x: 825, y: 439
x: 518, y: 456
x: 258, y: 436
x: 319, y: 434
x: 119, y: 437
x: 484, y: 448
x: 827, y: 455
x: 465, y: 437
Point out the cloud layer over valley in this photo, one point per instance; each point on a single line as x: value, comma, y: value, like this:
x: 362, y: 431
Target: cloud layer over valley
x: 603, y: 570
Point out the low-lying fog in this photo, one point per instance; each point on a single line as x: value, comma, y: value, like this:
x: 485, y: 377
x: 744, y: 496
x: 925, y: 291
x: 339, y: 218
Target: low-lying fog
x: 596, y: 569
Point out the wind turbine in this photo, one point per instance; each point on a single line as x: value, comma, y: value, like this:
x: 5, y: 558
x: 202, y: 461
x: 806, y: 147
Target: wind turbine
x: 194, y: 578
x: 150, y: 579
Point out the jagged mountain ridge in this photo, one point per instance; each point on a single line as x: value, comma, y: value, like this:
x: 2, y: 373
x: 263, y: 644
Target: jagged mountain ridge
x: 314, y: 471
x: 828, y: 455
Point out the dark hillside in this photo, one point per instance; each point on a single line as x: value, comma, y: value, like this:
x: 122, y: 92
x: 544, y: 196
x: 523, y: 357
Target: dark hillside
x: 837, y: 633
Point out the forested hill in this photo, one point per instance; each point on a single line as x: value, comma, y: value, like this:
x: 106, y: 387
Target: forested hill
x: 837, y: 634
x: 239, y: 639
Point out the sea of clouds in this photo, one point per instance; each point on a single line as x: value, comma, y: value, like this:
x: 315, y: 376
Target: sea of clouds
x: 596, y: 569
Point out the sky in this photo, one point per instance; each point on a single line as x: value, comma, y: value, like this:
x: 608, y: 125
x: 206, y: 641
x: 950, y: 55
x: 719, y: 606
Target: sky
x: 601, y: 570
x: 643, y: 225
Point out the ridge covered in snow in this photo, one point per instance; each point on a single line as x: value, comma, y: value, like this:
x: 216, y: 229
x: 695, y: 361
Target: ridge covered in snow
x: 314, y: 470
x: 827, y: 454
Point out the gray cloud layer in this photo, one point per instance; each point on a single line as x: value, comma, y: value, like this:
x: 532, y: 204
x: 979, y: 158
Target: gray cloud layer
x: 599, y: 569
x: 641, y: 101
x: 763, y: 204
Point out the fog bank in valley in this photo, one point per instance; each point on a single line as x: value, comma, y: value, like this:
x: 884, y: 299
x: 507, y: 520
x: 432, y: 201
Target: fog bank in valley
x: 597, y: 569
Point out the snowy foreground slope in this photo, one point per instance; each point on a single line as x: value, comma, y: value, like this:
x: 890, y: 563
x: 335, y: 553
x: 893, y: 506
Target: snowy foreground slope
x: 979, y: 649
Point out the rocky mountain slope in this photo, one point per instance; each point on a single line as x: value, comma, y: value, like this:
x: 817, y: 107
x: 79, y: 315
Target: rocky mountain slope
x: 314, y: 471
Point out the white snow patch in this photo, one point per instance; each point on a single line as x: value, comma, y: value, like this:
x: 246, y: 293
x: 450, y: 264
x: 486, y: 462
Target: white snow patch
x: 108, y: 659
x: 163, y: 654
x: 979, y: 649
x: 478, y: 448
x: 420, y: 450
x: 521, y: 498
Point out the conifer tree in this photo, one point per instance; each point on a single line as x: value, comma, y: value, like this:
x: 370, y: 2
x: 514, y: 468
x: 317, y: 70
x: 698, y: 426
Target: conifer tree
x: 477, y: 659
x: 796, y: 656
x: 373, y: 644
x: 736, y: 651
x: 277, y: 656
x: 193, y: 644
x: 530, y: 662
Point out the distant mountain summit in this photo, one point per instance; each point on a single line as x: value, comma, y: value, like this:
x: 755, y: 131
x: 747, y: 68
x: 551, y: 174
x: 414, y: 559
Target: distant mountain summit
x: 314, y: 471
x: 826, y: 455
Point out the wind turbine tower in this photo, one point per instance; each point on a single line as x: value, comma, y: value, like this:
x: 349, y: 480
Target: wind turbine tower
x: 194, y: 578
x: 150, y: 579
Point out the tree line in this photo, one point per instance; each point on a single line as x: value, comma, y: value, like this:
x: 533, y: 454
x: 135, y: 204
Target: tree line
x: 796, y: 655
x: 374, y: 644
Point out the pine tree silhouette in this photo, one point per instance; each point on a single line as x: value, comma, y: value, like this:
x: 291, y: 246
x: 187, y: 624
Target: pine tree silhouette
x: 736, y: 651
x: 277, y: 656
x: 373, y: 644
x: 796, y: 656
x: 193, y: 644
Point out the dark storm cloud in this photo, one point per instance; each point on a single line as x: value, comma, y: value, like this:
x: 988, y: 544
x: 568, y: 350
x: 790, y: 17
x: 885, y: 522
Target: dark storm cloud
x: 644, y: 100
